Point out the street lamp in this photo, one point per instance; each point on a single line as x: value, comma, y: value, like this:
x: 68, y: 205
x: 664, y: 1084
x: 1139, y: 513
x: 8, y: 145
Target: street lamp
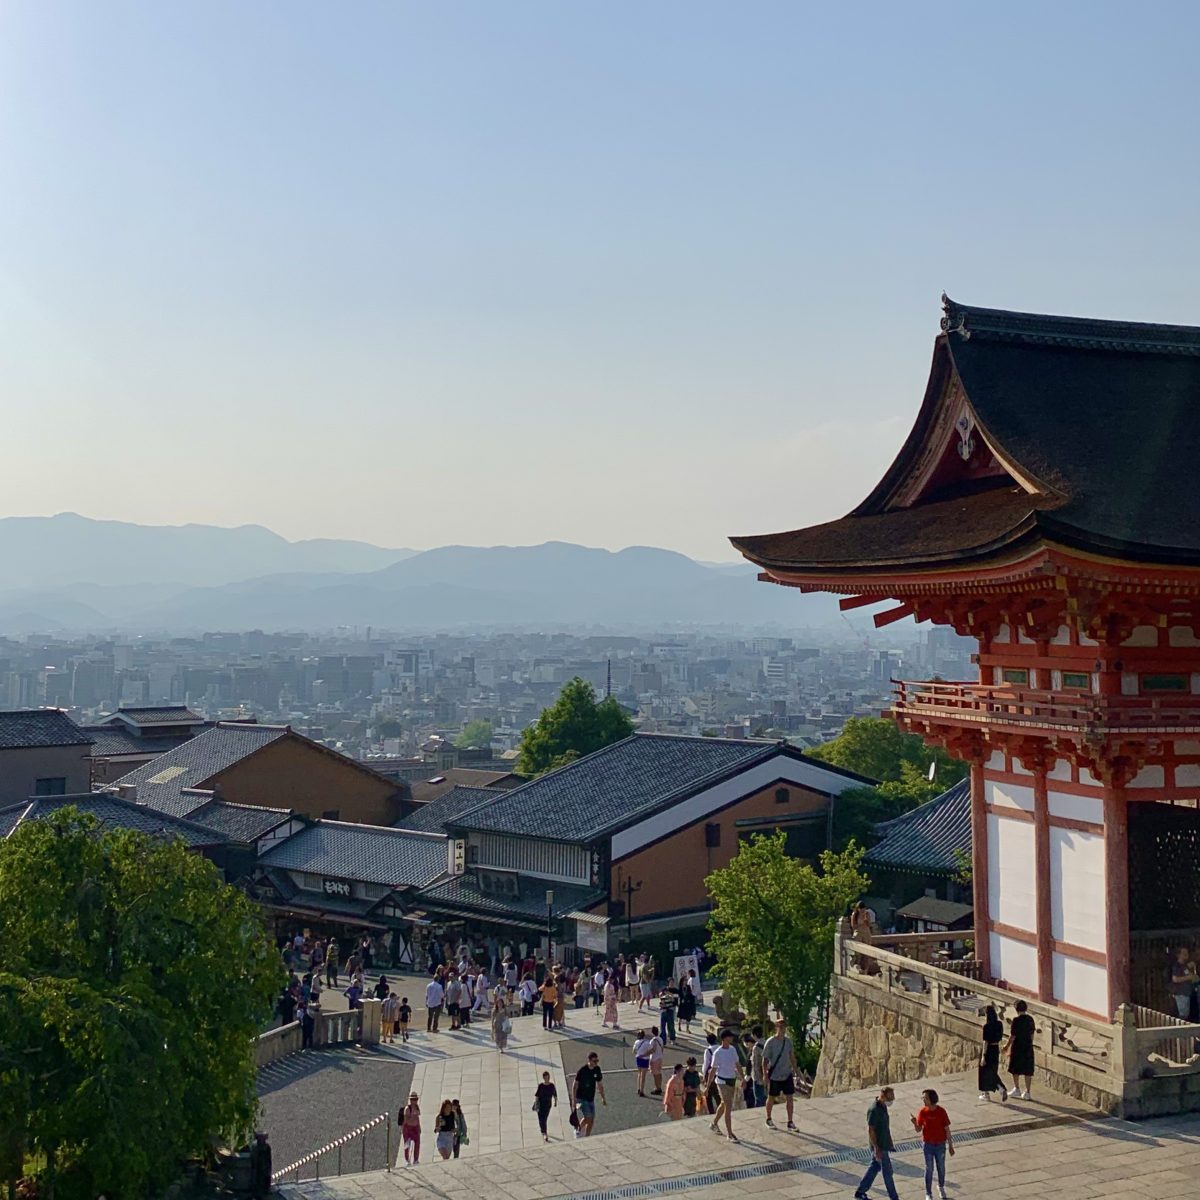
x: 549, y: 918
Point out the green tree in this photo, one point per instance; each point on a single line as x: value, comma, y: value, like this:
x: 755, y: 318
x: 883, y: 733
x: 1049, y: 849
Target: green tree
x: 132, y: 984
x: 877, y: 747
x: 475, y: 734
x: 574, y: 725
x: 772, y: 925
x: 389, y: 727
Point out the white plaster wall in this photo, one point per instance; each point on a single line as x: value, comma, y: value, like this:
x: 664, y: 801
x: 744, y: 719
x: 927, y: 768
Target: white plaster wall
x: 1148, y: 777
x: 1187, y: 775
x: 1077, y: 893
x: 1019, y: 768
x: 995, y: 760
x: 1011, y: 883
x: 1008, y: 795
x: 1061, y: 770
x: 1081, y: 984
x: 1086, y: 777
x: 1129, y: 683
x: 1182, y: 635
x: 1075, y: 808
x: 1062, y: 637
x: 1187, y: 746
x: 1014, y: 962
x: 1142, y: 635
x: 1003, y: 634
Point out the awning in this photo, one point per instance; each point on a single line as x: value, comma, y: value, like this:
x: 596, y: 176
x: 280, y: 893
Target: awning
x: 587, y: 918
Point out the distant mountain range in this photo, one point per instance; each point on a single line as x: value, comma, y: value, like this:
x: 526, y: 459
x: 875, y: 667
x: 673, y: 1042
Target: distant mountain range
x: 71, y: 574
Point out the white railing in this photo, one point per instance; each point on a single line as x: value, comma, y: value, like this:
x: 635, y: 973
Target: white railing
x: 343, y: 1147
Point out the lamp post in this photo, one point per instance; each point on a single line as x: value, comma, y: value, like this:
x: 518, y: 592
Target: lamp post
x: 629, y: 889
x: 549, y: 921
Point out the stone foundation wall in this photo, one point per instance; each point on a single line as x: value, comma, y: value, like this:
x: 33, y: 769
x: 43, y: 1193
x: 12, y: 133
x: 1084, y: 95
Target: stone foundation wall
x: 873, y: 1038
x: 867, y: 1043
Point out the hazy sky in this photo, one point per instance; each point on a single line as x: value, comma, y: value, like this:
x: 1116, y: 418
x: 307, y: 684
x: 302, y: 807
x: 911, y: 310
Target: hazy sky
x: 609, y: 273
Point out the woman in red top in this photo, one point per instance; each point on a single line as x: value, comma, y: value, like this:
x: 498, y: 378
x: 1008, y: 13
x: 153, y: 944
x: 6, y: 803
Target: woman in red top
x: 934, y: 1123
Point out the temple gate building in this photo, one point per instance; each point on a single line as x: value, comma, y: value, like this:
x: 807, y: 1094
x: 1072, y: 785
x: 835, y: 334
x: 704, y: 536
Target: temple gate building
x: 1046, y: 504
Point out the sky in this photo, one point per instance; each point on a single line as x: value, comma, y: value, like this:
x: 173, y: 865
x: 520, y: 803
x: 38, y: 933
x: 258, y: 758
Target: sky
x: 623, y: 273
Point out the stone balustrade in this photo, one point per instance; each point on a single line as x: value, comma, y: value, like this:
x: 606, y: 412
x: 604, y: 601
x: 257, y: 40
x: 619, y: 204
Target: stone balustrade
x: 360, y: 1025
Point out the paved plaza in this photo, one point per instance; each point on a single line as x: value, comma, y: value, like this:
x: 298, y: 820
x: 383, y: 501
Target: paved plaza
x: 1049, y: 1145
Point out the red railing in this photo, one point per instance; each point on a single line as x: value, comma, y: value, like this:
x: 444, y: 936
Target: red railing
x: 1003, y: 704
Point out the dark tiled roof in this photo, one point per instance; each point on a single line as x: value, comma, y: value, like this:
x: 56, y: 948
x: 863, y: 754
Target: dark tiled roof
x: 168, y: 714
x: 161, y: 783
x: 432, y: 817
x: 369, y: 853
x: 112, y: 811
x: 463, y: 894
x: 930, y: 908
x: 26, y: 729
x: 1100, y: 415
x: 425, y: 791
x: 926, y: 838
x: 113, y: 741
x: 615, y: 786
x: 239, y: 822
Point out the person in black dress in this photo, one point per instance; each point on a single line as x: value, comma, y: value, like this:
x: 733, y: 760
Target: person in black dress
x: 545, y: 1097
x: 989, y: 1062
x: 1020, y: 1050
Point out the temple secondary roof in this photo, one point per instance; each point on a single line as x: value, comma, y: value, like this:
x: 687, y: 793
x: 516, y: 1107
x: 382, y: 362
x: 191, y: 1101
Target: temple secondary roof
x: 930, y: 839
x: 1063, y: 430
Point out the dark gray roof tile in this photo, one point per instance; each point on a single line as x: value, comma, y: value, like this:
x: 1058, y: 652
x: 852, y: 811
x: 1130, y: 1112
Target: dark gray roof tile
x: 369, y: 853
x: 114, y: 812
x: 25, y: 729
x: 432, y: 817
x: 927, y: 838
x: 239, y: 822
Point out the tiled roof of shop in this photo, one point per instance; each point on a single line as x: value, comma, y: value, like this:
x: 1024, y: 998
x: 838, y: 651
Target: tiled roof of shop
x: 927, y: 838
x: 432, y: 817
x: 239, y: 822
x: 113, y: 741
x: 160, y: 714
x: 29, y: 728
x: 112, y: 811
x: 620, y: 784
x: 161, y: 783
x: 368, y: 853
x: 463, y: 893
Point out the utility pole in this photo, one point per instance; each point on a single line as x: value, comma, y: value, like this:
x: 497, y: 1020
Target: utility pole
x: 629, y: 888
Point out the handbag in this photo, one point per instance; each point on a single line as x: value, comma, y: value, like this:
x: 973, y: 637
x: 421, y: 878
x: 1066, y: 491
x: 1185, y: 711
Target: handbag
x: 505, y: 1025
x: 574, y: 1118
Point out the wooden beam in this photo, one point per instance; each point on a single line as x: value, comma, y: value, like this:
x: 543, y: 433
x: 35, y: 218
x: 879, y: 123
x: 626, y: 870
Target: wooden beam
x: 892, y: 615
x: 848, y: 602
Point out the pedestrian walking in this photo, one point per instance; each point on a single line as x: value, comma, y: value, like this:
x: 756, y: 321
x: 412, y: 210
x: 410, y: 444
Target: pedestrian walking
x: 389, y: 1016
x: 1183, y: 982
x: 673, y: 1096
x: 549, y: 990
x: 668, y: 1002
x: 726, y: 1072
x: 757, y: 1079
x: 933, y: 1124
x: 461, y: 1137
x: 260, y: 1167
x: 656, y: 1056
x: 610, y: 1004
x: 444, y: 1125
x: 580, y: 988
x: 645, y: 980
x: 588, y: 1080
x: 353, y: 994
x: 686, y: 1012
x: 1020, y: 1050
x: 404, y: 1015
x: 691, y: 1088
x: 712, y: 1096
x: 410, y: 1129
x: 306, y: 1026
x: 879, y: 1133
x: 382, y: 988
x: 501, y: 1023
x: 989, y: 1060
x: 641, y: 1059
x: 453, y: 995
x: 332, y: 958
x: 545, y: 1097
x: 482, y: 986
x: 285, y: 1007
x: 435, y: 996
x: 779, y: 1071
x: 315, y: 989
x: 560, y: 1005
x: 696, y: 986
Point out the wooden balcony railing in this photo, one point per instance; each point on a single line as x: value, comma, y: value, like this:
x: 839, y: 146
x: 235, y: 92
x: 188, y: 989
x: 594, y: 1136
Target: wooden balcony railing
x: 1003, y: 704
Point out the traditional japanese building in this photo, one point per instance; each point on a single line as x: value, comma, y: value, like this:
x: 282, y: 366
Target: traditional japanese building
x: 1044, y: 503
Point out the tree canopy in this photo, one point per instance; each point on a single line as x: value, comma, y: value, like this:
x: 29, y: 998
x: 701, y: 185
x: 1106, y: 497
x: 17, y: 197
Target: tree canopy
x: 475, y: 734
x: 574, y: 725
x: 132, y: 984
x: 878, y: 748
x: 773, y: 922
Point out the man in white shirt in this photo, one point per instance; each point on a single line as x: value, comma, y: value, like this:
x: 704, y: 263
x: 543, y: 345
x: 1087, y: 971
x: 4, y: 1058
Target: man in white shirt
x: 726, y: 1072
x: 435, y: 994
x: 481, y: 991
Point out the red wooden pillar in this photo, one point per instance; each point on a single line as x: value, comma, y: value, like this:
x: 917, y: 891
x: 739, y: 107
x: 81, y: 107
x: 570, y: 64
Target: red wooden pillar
x: 979, y: 870
x: 1041, y: 843
x: 1116, y: 886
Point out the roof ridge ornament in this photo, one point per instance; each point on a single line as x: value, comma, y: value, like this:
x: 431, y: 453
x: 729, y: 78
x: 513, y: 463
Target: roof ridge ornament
x: 955, y: 320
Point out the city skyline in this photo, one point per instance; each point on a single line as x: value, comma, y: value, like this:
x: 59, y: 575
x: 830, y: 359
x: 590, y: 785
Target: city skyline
x: 511, y: 275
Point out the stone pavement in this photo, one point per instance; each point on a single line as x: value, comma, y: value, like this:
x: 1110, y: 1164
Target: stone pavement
x: 1049, y: 1144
